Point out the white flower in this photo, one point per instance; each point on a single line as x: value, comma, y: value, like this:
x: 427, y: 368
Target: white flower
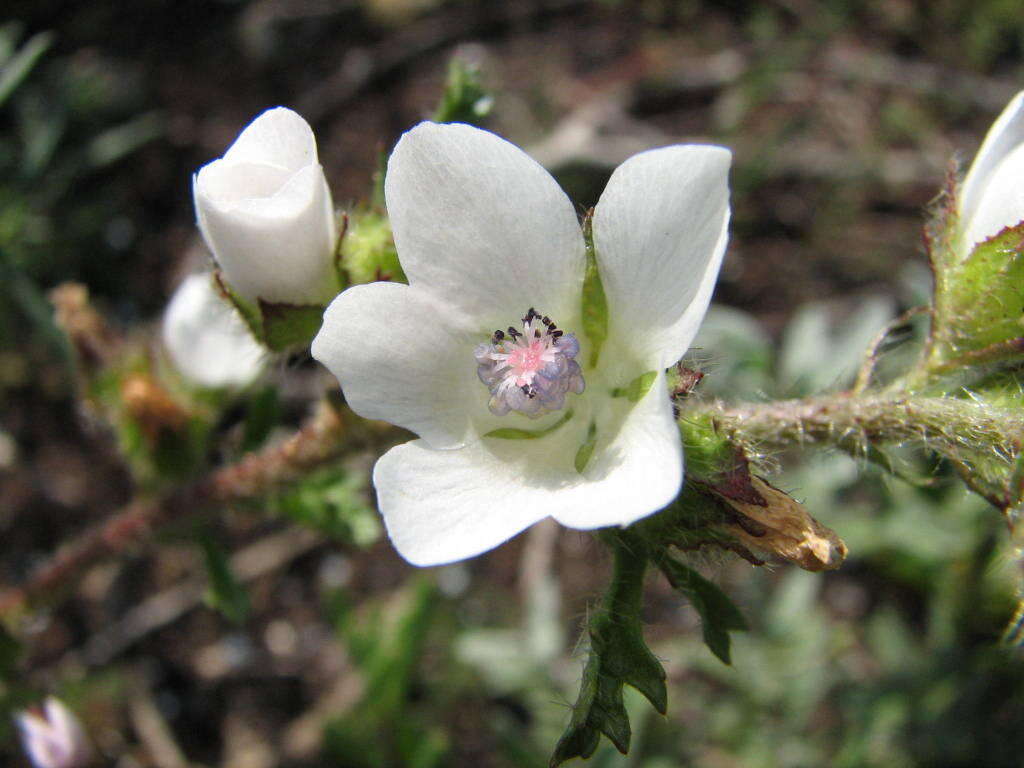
x: 486, y: 236
x: 206, y: 338
x: 265, y: 211
x: 53, y: 738
x: 992, y: 196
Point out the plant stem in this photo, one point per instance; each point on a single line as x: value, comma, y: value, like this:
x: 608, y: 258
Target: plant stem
x: 855, y: 423
x: 629, y: 564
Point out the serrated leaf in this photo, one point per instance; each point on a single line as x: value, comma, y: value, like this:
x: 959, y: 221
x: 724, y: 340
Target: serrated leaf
x: 618, y: 656
x: 289, y: 325
x: 620, y: 643
x: 718, y: 614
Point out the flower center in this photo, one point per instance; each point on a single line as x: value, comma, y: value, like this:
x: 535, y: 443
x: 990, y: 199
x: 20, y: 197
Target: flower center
x: 529, y: 371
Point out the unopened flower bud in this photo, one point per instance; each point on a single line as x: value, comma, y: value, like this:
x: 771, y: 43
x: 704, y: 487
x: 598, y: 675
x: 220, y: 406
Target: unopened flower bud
x: 265, y: 211
x: 53, y: 737
x: 207, y: 340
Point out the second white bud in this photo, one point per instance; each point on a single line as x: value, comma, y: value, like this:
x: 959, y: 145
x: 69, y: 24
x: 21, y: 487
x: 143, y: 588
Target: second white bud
x: 265, y: 211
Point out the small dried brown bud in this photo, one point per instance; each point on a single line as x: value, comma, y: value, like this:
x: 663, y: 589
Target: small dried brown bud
x: 783, y: 528
x: 150, y: 405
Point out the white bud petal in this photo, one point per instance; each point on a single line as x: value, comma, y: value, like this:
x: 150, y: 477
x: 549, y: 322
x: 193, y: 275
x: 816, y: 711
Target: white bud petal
x: 53, y: 739
x: 992, y: 196
x: 266, y: 213
x: 207, y: 339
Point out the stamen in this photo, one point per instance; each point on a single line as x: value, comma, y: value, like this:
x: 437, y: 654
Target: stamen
x: 530, y: 371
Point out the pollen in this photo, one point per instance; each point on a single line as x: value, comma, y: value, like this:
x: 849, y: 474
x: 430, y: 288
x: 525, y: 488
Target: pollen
x: 529, y: 371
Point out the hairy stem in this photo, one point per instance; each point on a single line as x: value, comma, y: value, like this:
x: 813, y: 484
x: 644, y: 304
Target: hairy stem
x: 625, y: 593
x: 855, y: 423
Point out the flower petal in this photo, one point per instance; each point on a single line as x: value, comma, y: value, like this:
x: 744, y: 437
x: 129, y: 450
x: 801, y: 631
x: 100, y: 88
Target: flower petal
x: 1006, y: 133
x: 206, y: 338
x: 1001, y: 202
x: 637, y: 467
x: 482, y: 226
x: 660, y: 230
x: 401, y: 359
x: 443, y: 506
x: 278, y: 137
x: 272, y: 243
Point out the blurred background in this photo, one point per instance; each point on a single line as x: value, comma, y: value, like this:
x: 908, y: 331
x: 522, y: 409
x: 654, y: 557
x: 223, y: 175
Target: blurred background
x: 251, y: 642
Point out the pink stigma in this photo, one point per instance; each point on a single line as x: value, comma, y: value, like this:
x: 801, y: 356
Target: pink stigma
x: 530, y: 371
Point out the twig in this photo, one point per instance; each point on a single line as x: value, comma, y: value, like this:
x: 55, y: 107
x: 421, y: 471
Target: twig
x: 154, y: 732
x: 319, y: 441
x: 265, y: 556
x: 867, y: 367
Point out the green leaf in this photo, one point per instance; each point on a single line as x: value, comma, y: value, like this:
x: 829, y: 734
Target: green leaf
x: 261, y: 415
x: 595, y: 305
x: 289, y: 325
x: 514, y: 433
x: 637, y: 388
x: 18, y: 67
x: 717, y: 612
x: 333, y: 502
x: 618, y: 656
x: 464, y: 99
x: 586, y: 449
x: 386, y: 727
x: 225, y: 593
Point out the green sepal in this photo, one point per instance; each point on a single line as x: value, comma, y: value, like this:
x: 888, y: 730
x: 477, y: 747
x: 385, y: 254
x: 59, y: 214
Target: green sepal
x: 708, y: 453
x: 586, y: 449
x: 979, y: 305
x: 594, y: 304
x: 250, y: 312
x: 514, y: 433
x: 367, y: 252
x: 286, y: 326
x: 637, y: 388
x: 717, y: 612
x: 276, y: 325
